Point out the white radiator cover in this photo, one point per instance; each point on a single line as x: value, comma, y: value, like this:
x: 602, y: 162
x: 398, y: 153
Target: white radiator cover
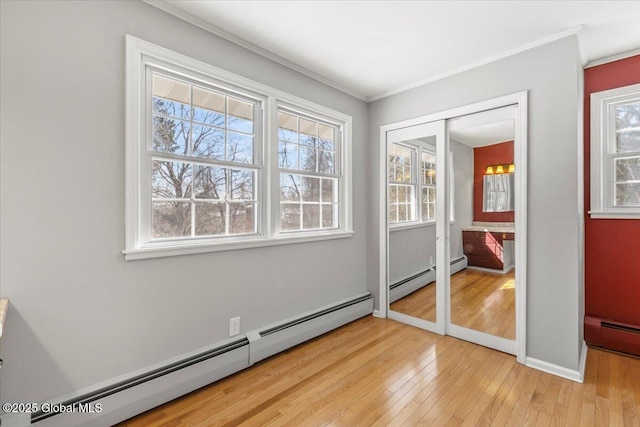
x: 126, y: 396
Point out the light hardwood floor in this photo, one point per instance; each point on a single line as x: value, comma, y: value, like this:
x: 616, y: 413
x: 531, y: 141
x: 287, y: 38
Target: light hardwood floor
x: 479, y: 300
x: 377, y: 372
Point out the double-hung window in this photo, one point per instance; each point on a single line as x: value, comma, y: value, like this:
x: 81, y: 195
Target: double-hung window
x: 412, y: 184
x: 215, y: 161
x: 309, y: 172
x: 615, y: 153
x: 203, y: 159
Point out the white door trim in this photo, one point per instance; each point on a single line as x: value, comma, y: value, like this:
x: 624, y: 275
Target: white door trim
x: 520, y: 99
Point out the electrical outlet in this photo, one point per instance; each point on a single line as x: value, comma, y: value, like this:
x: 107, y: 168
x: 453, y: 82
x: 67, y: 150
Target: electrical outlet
x: 234, y: 326
x: 431, y: 261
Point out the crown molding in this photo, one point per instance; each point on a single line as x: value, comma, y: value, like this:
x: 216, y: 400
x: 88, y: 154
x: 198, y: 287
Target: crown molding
x: 172, y: 10
x: 611, y: 58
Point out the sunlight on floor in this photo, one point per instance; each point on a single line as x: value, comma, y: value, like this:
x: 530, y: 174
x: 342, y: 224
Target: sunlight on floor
x: 509, y: 284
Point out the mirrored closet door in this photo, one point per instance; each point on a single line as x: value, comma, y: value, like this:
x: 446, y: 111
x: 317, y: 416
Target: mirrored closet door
x: 416, y: 232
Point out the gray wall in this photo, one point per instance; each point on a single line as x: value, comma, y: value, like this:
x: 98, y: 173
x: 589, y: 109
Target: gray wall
x: 410, y: 249
x: 551, y: 74
x: 79, y: 313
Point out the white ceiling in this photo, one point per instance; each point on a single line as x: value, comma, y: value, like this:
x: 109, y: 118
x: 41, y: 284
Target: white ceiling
x: 374, y: 48
x: 483, y: 135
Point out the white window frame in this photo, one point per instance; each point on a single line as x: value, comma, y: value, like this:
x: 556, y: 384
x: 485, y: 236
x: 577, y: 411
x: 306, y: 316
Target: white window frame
x: 140, y: 55
x: 603, y: 154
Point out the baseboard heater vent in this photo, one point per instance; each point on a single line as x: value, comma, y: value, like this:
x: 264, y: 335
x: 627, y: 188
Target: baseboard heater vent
x: 137, y: 392
x: 404, y: 287
x: 613, y: 335
x: 276, y: 338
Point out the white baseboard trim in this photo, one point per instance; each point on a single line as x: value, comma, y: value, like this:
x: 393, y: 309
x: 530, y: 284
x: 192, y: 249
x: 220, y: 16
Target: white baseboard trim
x: 583, y: 360
x: 550, y: 368
x: 378, y: 314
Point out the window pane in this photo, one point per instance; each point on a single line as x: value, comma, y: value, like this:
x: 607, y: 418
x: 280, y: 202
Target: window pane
x: 287, y: 127
x: 393, y: 213
x: 403, y: 194
x: 628, y: 169
x: 326, y: 161
x: 288, y: 155
x: 290, y: 217
x: 240, y: 115
x: 393, y: 193
x: 627, y: 127
x: 308, y: 158
x: 242, y: 218
x: 628, y: 141
x: 308, y: 132
x: 392, y: 172
x: 310, y: 189
x: 311, y: 216
x: 239, y: 148
x: 242, y: 184
x: 170, y: 135
x: 171, y: 108
x: 170, y: 219
x: 628, y: 194
x: 210, y: 183
x: 326, y: 133
x: 328, y: 217
x: 171, y: 180
x: 208, y: 142
x: 289, y: 187
x: 208, y: 107
x: 628, y: 116
x: 428, y: 168
x: 328, y: 190
x: 210, y: 219
x: 402, y: 212
x: 170, y: 97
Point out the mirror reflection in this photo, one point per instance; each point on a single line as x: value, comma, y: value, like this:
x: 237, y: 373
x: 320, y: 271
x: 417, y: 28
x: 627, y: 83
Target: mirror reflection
x: 482, y: 296
x: 411, y: 167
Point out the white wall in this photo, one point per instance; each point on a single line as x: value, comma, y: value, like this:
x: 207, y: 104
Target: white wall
x: 410, y: 249
x: 551, y: 75
x: 79, y: 313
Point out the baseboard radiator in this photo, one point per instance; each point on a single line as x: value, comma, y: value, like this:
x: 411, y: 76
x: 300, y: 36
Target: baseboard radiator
x: 143, y: 390
x: 404, y: 287
x: 613, y: 335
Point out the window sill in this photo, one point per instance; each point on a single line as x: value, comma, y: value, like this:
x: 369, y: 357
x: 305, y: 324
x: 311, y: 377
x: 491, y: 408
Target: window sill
x: 614, y: 215
x: 258, y: 242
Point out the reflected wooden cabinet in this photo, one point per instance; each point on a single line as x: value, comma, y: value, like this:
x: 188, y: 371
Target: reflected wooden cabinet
x: 485, y: 249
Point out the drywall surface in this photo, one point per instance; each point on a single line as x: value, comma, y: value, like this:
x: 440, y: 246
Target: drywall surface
x: 550, y: 73
x: 79, y: 313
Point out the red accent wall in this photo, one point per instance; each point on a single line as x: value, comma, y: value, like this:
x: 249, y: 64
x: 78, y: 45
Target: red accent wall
x: 482, y: 157
x: 612, y: 246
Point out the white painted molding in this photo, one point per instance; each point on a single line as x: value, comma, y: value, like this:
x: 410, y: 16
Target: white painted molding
x: 566, y: 33
x: 172, y: 10
x: 611, y: 58
x: 378, y: 314
x: 560, y: 371
x: 583, y: 360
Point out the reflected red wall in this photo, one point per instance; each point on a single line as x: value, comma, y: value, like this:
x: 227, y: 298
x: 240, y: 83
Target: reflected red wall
x: 612, y: 247
x: 482, y: 157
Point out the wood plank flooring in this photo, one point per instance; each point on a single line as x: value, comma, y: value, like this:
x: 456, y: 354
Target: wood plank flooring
x: 479, y: 300
x: 377, y: 372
